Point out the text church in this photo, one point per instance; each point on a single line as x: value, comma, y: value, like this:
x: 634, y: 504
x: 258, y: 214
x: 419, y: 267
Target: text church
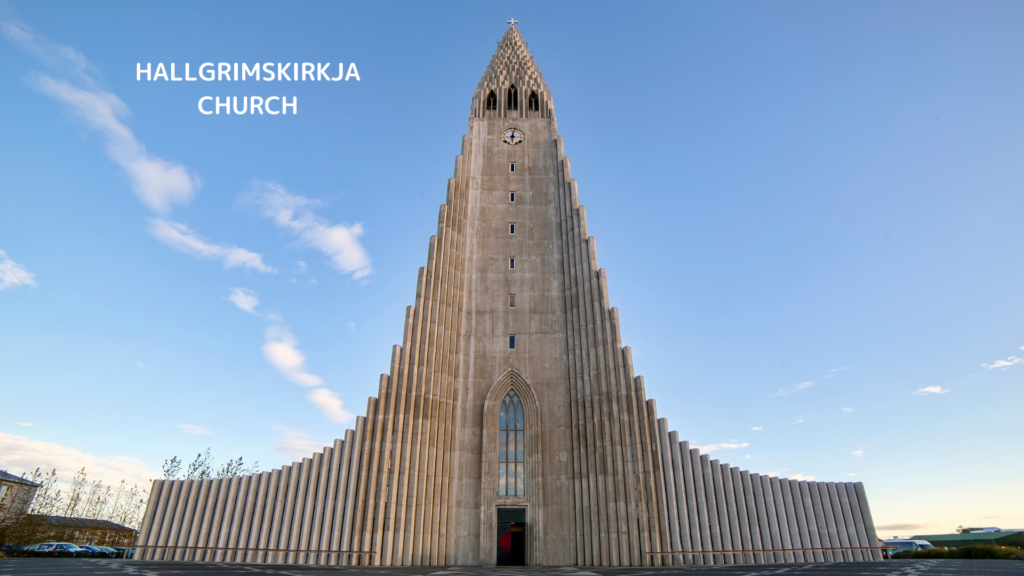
x: 510, y: 427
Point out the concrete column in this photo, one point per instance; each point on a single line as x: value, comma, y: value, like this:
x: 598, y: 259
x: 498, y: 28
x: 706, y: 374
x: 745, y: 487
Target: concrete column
x: 714, y: 527
x: 659, y: 478
x: 869, y: 523
x: 830, y: 522
x: 224, y: 529
x: 248, y: 511
x: 783, y: 520
x: 195, y: 519
x: 236, y: 520
x: 288, y: 523
x: 170, y: 508
x: 811, y: 523
x: 735, y: 539
x: 271, y: 515
x: 310, y: 502
x: 252, y: 534
x: 221, y: 487
x: 298, y: 511
x: 848, y: 520
x: 702, y: 506
x: 680, y: 490
x: 324, y: 505
x: 723, y: 510
x: 819, y: 500
x: 354, y: 474
x: 209, y: 508
x: 748, y: 483
x: 146, y: 532
x: 670, y: 492
x: 691, y: 501
x: 795, y: 514
x: 332, y: 536
x: 771, y: 510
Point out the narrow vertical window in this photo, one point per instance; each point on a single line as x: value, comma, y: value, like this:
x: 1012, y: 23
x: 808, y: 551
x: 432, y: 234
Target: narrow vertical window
x: 492, y: 101
x: 511, y: 196
x: 511, y: 341
x: 511, y: 263
x: 534, y: 103
x: 511, y: 300
x: 513, y: 98
x: 511, y: 447
x: 511, y: 166
x: 511, y: 227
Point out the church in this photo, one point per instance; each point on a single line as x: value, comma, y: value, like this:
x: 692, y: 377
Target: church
x: 510, y: 428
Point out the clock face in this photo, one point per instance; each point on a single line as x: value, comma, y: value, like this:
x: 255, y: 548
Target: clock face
x: 512, y: 136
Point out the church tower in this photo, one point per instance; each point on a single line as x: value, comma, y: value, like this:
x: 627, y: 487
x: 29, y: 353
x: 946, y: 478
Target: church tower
x: 510, y: 427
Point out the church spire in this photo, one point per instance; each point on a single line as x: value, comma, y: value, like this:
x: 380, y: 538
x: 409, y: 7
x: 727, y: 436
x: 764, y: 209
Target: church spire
x: 512, y: 85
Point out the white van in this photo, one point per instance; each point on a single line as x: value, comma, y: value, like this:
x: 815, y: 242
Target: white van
x: 901, y: 545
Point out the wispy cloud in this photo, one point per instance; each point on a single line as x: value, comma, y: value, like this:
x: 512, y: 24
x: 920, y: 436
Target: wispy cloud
x: 330, y: 404
x: 296, y: 443
x: 800, y: 477
x: 793, y: 388
x: 157, y: 182
x: 757, y: 428
x: 799, y: 420
x: 931, y: 390
x: 295, y: 213
x: 13, y: 274
x: 851, y: 474
x: 899, y: 527
x: 193, y: 429
x: 21, y: 454
x: 282, y: 351
x: 858, y: 452
x: 835, y: 371
x: 848, y: 410
x: 24, y: 423
x: 180, y: 237
x: 1004, y: 364
x: 245, y: 299
x: 721, y: 446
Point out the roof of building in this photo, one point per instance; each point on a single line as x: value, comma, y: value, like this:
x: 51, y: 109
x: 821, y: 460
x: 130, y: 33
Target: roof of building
x: 968, y: 538
x: 88, y: 523
x: 7, y: 477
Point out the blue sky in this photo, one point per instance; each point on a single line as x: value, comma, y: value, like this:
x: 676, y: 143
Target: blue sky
x: 809, y: 213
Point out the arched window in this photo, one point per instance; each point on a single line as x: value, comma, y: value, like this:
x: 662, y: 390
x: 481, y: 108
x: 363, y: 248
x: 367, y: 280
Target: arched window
x: 533, y: 103
x: 513, y: 98
x: 511, y: 444
x: 492, y: 101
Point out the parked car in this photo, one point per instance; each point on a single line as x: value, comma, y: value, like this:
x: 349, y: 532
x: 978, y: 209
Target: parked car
x: 113, y: 553
x: 897, y: 545
x: 97, y: 551
x: 126, y: 553
x: 55, y: 549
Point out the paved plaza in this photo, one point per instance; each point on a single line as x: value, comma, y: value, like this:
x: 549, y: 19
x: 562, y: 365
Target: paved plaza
x: 74, y: 566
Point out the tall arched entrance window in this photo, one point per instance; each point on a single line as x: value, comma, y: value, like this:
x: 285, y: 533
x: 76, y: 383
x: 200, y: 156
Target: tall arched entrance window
x: 513, y: 98
x: 511, y: 447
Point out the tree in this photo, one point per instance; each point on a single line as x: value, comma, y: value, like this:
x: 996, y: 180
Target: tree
x: 204, y: 467
x: 172, y: 467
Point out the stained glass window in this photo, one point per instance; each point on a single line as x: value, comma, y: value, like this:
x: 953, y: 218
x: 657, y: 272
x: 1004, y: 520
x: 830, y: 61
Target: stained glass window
x: 511, y: 448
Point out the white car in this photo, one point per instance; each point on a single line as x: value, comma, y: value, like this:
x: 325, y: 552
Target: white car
x: 901, y: 545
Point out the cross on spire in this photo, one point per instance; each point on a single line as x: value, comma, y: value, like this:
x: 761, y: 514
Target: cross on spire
x: 512, y: 22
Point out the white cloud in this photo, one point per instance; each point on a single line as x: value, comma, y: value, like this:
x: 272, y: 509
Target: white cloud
x: 757, y: 428
x: 301, y: 266
x: 721, y: 446
x: 848, y: 410
x: 793, y: 388
x: 281, y: 350
x: 799, y: 420
x: 835, y: 371
x: 193, y: 429
x: 295, y: 443
x: 24, y: 423
x: 295, y: 213
x: 13, y: 274
x: 245, y: 299
x: 330, y: 404
x: 20, y: 454
x: 180, y: 237
x: 801, y: 477
x: 858, y: 452
x: 747, y: 456
x: 1004, y: 363
x: 851, y: 474
x: 157, y: 182
x: 931, y: 390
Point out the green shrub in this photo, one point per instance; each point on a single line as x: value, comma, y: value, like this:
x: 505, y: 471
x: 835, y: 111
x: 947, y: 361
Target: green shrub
x: 972, y: 552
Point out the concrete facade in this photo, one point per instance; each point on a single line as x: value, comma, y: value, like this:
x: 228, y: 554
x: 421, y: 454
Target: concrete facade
x: 416, y: 481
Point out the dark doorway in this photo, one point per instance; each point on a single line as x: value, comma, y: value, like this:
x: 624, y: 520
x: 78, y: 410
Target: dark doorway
x: 511, y: 537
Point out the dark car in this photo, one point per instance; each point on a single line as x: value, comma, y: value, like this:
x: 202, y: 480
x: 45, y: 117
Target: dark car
x: 113, y: 553
x: 126, y: 553
x: 60, y: 550
x: 97, y: 552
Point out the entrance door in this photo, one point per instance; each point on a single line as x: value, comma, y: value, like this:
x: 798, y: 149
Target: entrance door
x: 511, y: 537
